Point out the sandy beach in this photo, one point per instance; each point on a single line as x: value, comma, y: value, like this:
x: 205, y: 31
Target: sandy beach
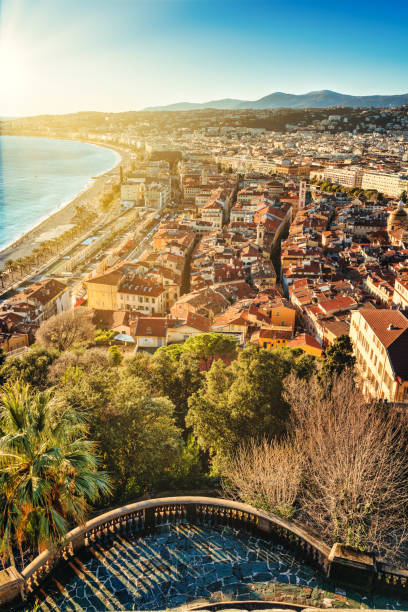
x: 60, y: 220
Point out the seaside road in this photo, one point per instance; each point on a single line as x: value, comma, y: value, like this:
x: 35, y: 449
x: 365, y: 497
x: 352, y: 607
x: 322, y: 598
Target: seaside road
x: 43, y: 270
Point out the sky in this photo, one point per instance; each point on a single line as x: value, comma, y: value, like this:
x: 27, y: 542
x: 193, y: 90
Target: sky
x: 61, y: 56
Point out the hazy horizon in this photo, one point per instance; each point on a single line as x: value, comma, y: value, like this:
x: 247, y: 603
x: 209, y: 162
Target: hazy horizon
x: 89, y: 55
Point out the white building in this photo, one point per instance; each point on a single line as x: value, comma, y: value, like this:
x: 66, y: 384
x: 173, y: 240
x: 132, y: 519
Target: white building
x: 388, y: 183
x: 349, y: 177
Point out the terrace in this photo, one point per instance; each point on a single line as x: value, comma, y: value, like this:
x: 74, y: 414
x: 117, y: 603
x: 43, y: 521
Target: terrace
x: 180, y: 553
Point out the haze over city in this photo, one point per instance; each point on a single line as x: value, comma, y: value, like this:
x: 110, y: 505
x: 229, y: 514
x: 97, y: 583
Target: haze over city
x: 60, y: 57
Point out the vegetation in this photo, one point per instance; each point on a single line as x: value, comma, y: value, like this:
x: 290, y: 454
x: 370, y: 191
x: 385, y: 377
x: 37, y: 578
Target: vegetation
x: 339, y: 357
x: 355, y: 192
x: 341, y: 470
x: 265, y: 474
x: 18, y: 268
x: 62, y: 331
x: 48, y: 469
x: 355, y: 471
x: 192, y: 416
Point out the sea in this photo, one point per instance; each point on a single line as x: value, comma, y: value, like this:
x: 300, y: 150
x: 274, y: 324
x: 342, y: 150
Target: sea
x: 40, y: 175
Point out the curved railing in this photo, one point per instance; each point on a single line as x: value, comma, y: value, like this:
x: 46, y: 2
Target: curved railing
x: 142, y: 518
x: 391, y: 577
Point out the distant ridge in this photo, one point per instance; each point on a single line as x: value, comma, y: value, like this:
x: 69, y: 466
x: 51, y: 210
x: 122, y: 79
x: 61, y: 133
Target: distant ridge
x: 314, y: 99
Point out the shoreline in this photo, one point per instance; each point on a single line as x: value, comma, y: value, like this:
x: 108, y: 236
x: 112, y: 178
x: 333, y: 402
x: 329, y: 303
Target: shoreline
x: 29, y: 240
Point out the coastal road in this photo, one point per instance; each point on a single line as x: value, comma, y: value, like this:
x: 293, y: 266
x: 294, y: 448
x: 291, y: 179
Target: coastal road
x: 52, y: 264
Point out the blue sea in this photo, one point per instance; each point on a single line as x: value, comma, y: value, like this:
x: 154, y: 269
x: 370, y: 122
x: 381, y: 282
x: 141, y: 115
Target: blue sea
x: 40, y: 175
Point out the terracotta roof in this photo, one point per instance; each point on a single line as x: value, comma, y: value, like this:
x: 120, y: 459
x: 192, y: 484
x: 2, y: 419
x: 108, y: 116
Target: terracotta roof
x: 110, y: 278
x: 114, y: 318
x: 304, y: 340
x: 43, y: 291
x: 387, y: 325
x: 342, y: 302
x: 272, y: 334
x: 150, y: 326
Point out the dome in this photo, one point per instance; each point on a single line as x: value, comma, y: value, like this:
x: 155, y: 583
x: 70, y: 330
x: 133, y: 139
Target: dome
x: 401, y: 211
x: 398, y: 218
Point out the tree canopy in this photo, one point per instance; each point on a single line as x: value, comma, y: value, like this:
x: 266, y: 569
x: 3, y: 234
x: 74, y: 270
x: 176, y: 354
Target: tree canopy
x: 64, y: 330
x: 48, y: 469
x: 339, y: 357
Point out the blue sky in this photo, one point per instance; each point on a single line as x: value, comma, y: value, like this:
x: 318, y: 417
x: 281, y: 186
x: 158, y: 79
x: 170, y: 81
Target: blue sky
x: 61, y: 56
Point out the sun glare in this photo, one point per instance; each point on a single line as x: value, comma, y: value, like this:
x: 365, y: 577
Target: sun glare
x: 15, y: 65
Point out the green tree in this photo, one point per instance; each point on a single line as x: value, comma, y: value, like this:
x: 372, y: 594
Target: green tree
x: 305, y: 366
x: 104, y: 336
x: 138, y: 365
x: 139, y: 438
x: 239, y: 402
x: 175, y: 378
x: 209, y: 346
x: 115, y: 356
x: 48, y: 470
x: 191, y: 380
x: 188, y: 471
x: 339, y: 357
x: 32, y: 367
x: 89, y: 391
x: 174, y: 351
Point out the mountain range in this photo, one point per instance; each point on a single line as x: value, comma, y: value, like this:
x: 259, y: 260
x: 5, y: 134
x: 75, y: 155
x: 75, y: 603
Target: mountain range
x: 314, y: 99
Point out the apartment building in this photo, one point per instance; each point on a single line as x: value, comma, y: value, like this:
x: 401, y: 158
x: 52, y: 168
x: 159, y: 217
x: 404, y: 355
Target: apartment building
x: 400, y: 295
x: 132, y: 190
x: 380, y: 340
x: 157, y: 195
x: 47, y: 297
x: 349, y: 177
x: 388, y: 183
x: 213, y: 213
x: 120, y: 289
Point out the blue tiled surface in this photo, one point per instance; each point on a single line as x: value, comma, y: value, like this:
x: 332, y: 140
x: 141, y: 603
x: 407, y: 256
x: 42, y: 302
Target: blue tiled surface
x: 182, y: 564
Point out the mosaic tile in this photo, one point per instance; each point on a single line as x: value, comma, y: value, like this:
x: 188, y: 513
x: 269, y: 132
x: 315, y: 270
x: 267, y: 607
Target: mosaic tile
x: 186, y: 564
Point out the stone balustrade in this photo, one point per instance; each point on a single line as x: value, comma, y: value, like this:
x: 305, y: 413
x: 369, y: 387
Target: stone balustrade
x: 144, y: 517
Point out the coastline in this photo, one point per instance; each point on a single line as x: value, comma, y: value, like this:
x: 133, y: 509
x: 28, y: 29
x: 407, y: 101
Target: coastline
x: 62, y: 216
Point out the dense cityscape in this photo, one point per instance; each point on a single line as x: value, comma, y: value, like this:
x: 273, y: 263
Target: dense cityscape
x: 292, y: 237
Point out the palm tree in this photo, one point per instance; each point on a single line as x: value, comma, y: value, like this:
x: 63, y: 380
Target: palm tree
x: 48, y: 469
x: 10, y: 267
x: 36, y: 255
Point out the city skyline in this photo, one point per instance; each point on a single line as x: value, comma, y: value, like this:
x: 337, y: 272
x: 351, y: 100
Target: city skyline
x: 127, y: 55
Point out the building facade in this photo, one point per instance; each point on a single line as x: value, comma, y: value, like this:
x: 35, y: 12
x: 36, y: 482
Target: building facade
x: 380, y: 341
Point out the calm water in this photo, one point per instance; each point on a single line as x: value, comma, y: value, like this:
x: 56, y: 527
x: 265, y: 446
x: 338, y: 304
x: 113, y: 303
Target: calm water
x: 39, y: 175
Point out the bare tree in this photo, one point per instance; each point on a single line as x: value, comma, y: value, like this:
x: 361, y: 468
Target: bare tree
x: 355, y: 468
x: 90, y: 359
x: 265, y: 474
x: 66, y: 329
